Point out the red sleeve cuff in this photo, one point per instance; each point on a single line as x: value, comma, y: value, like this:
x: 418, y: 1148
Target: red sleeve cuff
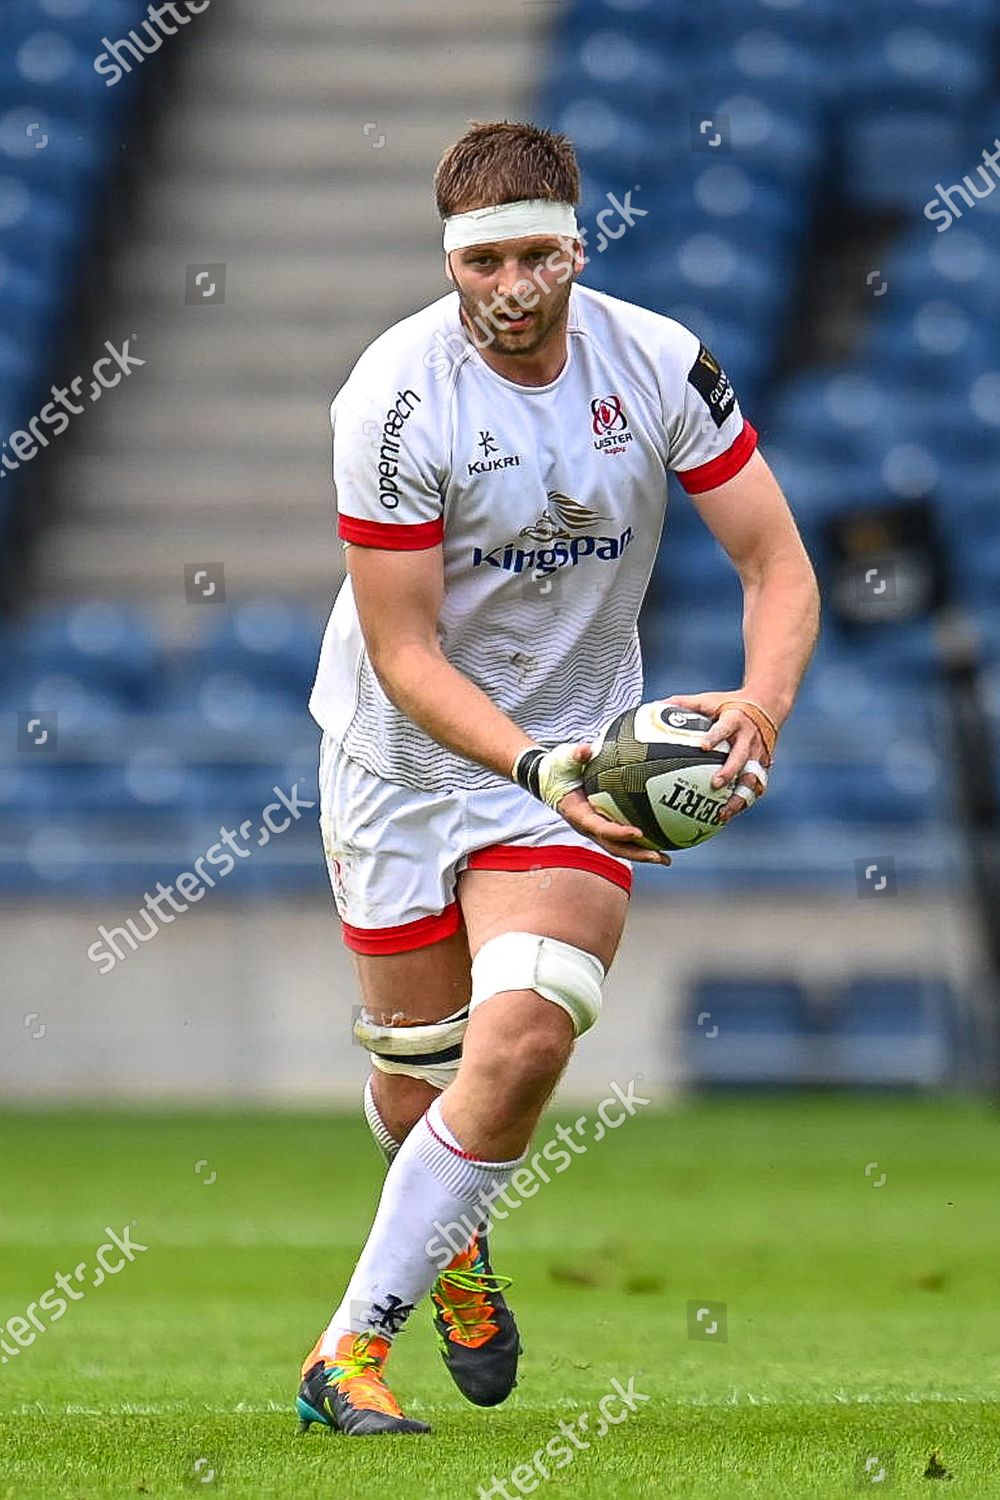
x: 394, y: 536
x: 726, y: 466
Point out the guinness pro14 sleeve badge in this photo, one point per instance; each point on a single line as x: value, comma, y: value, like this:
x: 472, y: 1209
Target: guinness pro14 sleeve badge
x: 712, y: 384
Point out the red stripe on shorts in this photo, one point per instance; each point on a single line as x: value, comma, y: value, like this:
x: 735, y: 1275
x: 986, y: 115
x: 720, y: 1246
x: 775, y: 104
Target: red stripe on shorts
x: 552, y: 856
x: 408, y: 935
x: 392, y: 535
x: 708, y: 476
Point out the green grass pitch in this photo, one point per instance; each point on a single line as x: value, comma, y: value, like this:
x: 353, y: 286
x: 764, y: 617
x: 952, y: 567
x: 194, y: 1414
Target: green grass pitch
x: 861, y: 1308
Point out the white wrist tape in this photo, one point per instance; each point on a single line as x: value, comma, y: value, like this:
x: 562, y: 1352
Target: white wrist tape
x: 548, y: 774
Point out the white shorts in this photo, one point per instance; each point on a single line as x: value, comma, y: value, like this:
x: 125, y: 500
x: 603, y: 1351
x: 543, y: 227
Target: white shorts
x: 394, y: 854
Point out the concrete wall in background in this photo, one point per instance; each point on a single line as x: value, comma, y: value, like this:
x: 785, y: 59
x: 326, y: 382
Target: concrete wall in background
x: 253, y: 1002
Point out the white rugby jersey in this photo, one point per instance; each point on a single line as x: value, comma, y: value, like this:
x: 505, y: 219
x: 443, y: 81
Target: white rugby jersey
x: 548, y: 502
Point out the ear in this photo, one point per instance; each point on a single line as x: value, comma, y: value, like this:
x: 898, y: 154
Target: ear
x: 579, y: 258
x: 447, y: 268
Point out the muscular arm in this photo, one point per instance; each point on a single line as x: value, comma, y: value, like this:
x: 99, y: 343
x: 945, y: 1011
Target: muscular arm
x: 398, y: 597
x: 749, y: 516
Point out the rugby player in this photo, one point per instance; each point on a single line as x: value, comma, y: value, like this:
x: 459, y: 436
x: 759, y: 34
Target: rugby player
x: 500, y: 462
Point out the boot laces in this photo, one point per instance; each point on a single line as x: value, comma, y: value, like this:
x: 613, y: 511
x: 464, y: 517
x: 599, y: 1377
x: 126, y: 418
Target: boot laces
x: 471, y: 1319
x: 364, y: 1367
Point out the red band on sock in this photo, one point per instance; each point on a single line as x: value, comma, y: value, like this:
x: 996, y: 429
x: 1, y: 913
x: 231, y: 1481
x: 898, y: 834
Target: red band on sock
x: 455, y: 1150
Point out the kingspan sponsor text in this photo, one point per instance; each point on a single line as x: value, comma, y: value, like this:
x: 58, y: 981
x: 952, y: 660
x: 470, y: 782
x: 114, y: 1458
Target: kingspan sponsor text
x: 543, y: 560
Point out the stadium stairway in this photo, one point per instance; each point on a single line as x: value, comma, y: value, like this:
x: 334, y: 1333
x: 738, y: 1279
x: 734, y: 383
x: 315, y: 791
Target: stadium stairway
x: 294, y: 167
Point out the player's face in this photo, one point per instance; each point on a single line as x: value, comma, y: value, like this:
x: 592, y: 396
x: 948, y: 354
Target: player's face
x: 514, y: 293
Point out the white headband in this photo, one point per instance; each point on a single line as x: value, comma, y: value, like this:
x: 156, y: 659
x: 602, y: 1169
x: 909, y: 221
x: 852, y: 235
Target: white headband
x: 510, y: 221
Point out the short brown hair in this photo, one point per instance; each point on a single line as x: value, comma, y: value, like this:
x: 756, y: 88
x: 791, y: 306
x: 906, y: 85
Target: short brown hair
x: 504, y: 161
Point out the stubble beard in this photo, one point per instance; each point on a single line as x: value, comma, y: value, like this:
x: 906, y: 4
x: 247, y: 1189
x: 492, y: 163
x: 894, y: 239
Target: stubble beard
x: 549, y: 309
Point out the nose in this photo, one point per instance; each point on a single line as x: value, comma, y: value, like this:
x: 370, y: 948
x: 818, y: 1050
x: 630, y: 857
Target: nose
x: 512, y: 281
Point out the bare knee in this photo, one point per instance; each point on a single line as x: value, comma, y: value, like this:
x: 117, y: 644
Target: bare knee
x: 515, y: 1049
x: 540, y: 1053
x: 518, y: 1046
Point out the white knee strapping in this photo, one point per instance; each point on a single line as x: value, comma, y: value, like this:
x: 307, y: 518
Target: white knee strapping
x: 555, y: 970
x: 430, y: 1052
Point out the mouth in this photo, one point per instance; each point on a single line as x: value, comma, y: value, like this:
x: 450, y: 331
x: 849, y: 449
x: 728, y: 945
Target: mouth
x: 514, y: 323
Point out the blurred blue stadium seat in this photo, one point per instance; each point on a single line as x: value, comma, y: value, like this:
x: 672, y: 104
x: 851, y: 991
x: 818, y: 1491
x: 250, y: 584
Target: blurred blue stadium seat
x: 84, y: 20
x: 727, y: 192
x: 765, y: 58
x: 691, y: 649
x: 931, y: 344
x: 887, y: 1030
x: 148, y: 784
x: 876, y: 793
x: 831, y: 410
x: 67, y: 170
x: 728, y: 204
x: 630, y: 77
x: 607, y: 138
x: 962, y: 265
x: 271, y: 640
x: 973, y: 18
x: 84, y: 709
x: 893, y: 156
x: 771, y: 140
x: 667, y: 27
x: 25, y: 788
x: 902, y: 657
x: 815, y: 24
x: 228, y: 701
x: 107, y: 647
x: 747, y: 1032
x: 696, y: 575
x: 913, y: 65
x: 26, y: 302
x: 48, y: 66
x: 893, y: 1030
x: 56, y: 144
x: 36, y: 229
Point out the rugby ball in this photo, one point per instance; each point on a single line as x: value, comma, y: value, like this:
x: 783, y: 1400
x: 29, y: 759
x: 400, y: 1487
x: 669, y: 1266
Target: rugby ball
x: 648, y: 769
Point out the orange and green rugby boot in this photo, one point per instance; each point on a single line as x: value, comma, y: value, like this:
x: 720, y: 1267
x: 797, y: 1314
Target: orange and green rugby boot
x: 348, y: 1391
x: 479, y: 1338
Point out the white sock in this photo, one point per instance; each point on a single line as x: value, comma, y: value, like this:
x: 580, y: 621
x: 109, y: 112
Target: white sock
x: 461, y: 1234
x: 384, y: 1140
x: 432, y: 1181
